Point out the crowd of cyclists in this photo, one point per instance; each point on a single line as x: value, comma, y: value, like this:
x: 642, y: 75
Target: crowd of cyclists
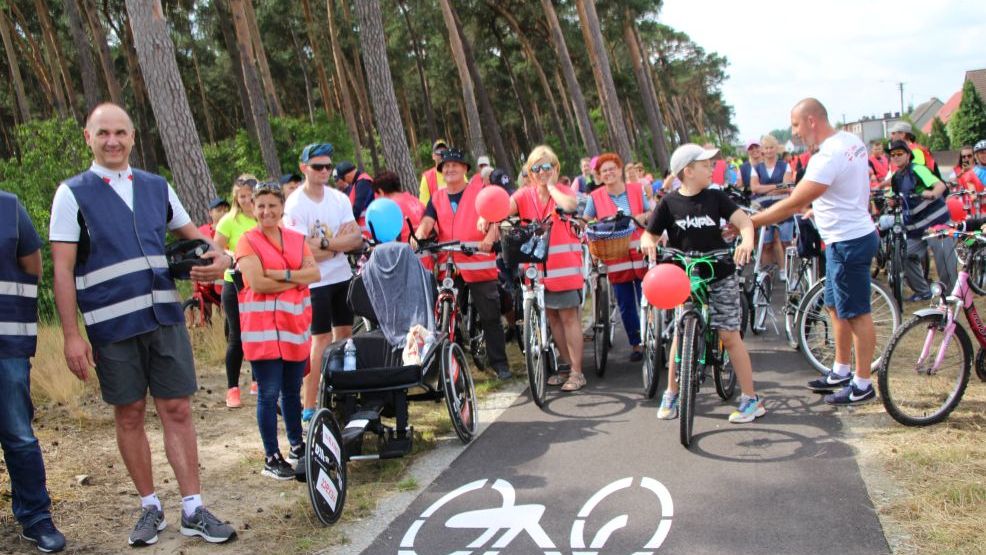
x: 284, y: 254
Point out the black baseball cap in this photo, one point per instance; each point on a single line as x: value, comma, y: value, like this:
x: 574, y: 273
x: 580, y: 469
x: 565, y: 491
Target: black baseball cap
x: 217, y: 202
x: 500, y: 177
x: 454, y: 155
x: 343, y: 168
x: 289, y: 177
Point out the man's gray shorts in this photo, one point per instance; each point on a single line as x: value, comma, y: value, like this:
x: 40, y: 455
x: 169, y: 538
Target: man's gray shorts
x: 725, y: 311
x: 159, y: 360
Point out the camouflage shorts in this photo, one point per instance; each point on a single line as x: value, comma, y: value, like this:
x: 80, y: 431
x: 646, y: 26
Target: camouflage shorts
x: 725, y: 311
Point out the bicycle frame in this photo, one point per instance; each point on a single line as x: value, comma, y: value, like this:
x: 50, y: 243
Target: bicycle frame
x: 962, y: 298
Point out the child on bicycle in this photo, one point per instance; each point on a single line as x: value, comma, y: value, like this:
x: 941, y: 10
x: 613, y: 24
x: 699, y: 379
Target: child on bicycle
x: 691, y: 217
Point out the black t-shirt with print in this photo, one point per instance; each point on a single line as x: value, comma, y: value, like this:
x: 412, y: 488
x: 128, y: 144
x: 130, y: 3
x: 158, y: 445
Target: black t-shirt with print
x: 692, y: 223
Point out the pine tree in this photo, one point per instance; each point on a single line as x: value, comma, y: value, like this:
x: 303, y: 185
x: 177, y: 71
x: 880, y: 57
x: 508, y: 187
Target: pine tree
x: 968, y: 124
x: 938, y: 140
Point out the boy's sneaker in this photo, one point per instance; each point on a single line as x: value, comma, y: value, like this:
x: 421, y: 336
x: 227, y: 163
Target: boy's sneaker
x: 669, y: 407
x: 205, y: 524
x: 45, y: 536
x: 851, y: 395
x: 307, y: 415
x: 829, y: 382
x: 750, y: 409
x: 151, y: 522
x: 233, y: 398
x: 296, y: 452
x: 277, y: 468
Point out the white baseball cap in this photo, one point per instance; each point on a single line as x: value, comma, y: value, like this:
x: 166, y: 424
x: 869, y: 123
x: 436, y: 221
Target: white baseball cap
x: 483, y: 161
x: 688, y: 153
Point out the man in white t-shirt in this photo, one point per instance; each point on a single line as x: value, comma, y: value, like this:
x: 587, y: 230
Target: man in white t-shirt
x: 836, y: 184
x: 325, y: 216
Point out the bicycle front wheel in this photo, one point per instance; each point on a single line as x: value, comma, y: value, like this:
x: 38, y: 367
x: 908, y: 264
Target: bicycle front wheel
x: 534, y: 353
x: 688, y: 380
x: 925, y: 371
x: 816, y: 332
x: 895, y: 271
x: 652, y: 321
x: 601, y: 326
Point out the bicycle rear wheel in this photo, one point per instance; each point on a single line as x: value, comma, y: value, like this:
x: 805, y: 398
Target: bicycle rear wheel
x: 459, y: 393
x: 601, y: 326
x: 917, y: 389
x: 534, y: 353
x: 816, y: 334
x: 723, y: 374
x: 688, y: 381
x: 652, y: 321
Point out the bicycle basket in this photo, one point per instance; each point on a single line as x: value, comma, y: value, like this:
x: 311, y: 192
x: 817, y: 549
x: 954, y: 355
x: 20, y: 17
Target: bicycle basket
x: 522, y: 244
x: 608, y: 241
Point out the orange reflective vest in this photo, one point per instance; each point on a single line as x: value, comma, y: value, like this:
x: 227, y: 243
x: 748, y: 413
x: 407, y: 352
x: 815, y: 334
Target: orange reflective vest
x: 633, y: 266
x: 460, y: 225
x: 276, y: 325
x: 413, y: 211
x: 564, y: 264
x: 431, y: 177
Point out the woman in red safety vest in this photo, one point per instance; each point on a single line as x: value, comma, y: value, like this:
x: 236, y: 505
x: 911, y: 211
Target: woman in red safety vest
x: 275, y: 316
x: 625, y: 274
x: 563, y: 280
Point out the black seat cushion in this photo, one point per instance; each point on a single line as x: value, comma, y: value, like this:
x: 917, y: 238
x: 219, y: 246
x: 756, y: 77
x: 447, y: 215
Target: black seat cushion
x: 378, y: 365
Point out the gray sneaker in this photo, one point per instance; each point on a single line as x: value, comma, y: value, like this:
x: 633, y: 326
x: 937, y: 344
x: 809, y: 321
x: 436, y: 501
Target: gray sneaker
x: 205, y: 524
x: 151, y: 522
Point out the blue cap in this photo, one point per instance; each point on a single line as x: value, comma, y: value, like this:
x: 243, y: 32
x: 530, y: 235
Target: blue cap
x: 217, y: 202
x: 315, y: 149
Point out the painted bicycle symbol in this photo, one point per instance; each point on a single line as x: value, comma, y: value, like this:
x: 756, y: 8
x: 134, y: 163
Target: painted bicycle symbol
x: 501, y: 525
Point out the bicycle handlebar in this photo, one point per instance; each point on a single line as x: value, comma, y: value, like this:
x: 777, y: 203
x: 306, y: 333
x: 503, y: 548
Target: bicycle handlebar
x: 669, y: 253
x: 448, y: 246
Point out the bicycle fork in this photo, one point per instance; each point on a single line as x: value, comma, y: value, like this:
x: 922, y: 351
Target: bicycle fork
x: 949, y: 331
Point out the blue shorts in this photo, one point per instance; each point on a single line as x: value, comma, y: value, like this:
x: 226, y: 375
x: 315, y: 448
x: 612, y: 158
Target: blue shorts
x: 847, y: 275
x: 785, y: 229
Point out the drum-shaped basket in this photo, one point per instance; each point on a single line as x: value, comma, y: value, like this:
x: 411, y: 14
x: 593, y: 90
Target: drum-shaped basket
x: 608, y: 244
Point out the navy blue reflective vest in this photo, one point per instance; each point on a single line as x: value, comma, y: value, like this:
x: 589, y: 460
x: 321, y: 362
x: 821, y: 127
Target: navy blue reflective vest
x: 775, y: 178
x: 919, y: 213
x: 124, y: 288
x: 18, y: 289
x: 745, y: 169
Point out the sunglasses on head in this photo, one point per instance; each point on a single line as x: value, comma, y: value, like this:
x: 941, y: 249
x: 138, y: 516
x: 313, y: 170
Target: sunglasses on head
x: 251, y: 183
x: 267, y: 187
x: 538, y: 168
x: 320, y: 167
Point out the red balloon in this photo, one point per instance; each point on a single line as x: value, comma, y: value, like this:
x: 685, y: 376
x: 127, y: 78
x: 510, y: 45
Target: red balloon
x: 955, y: 209
x: 493, y: 203
x: 666, y: 286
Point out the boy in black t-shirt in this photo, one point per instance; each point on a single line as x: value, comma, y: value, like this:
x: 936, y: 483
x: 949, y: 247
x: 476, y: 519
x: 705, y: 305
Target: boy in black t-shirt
x: 691, y: 217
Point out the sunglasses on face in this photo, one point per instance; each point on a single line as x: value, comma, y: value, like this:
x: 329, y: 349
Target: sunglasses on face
x: 538, y: 168
x: 251, y: 183
x: 320, y: 167
x: 898, y: 153
x: 967, y: 157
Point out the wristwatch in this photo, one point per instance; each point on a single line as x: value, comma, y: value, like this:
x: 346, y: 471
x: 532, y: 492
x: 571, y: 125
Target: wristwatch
x: 287, y: 275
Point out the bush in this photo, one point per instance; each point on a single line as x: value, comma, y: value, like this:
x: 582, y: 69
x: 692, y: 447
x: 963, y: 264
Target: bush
x: 938, y: 140
x: 51, y: 151
x: 968, y: 123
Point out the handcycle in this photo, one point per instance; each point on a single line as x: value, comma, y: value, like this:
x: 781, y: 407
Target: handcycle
x: 352, y: 404
x: 699, y: 345
x: 926, y: 367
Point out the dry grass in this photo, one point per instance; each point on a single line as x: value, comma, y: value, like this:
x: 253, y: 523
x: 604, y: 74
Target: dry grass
x: 51, y: 380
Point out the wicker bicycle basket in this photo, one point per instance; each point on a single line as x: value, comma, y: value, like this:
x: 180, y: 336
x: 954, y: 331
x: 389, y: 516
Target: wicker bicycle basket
x: 608, y: 244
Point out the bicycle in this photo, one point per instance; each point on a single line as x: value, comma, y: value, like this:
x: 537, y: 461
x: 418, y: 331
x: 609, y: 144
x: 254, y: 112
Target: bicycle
x: 699, y: 345
x: 927, y: 364
x: 656, y: 328
x: 759, y: 285
x: 605, y: 311
x: 198, y: 308
x: 803, y: 265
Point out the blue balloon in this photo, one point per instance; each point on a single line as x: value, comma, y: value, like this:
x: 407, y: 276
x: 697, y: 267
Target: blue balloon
x: 384, y: 219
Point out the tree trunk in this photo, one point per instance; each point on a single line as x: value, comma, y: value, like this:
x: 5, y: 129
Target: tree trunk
x: 256, y: 94
x: 568, y: 71
x: 229, y: 38
x: 388, y: 118
x: 529, y: 131
x: 419, y: 62
x: 63, y: 82
x: 532, y: 58
x: 490, y: 124
x: 357, y: 78
x: 146, y: 138
x: 260, y: 54
x: 32, y: 51
x: 408, y: 115
x: 475, y: 128
x: 90, y: 81
x: 303, y: 65
x: 323, y: 80
x: 209, y: 128
x: 170, y: 103
x: 571, y: 123
x: 647, y: 96
x: 103, y: 51
x: 23, y: 108
x: 341, y: 86
x: 604, y: 77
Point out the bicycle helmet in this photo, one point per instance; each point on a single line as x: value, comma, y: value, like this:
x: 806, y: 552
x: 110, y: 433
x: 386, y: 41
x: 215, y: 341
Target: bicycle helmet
x: 981, y: 145
x: 184, y: 255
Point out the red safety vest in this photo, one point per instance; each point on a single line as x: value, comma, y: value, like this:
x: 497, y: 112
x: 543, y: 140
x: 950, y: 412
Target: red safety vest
x: 633, y: 266
x: 431, y: 177
x: 276, y: 326
x: 969, y: 180
x: 413, y: 211
x: 461, y: 226
x: 880, y: 167
x: 564, y: 262
x: 719, y: 172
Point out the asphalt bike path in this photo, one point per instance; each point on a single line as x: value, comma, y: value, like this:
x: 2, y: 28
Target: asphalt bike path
x: 596, y: 472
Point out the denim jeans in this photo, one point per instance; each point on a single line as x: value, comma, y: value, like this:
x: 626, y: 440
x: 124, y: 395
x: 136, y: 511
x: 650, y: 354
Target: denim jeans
x: 628, y: 299
x: 21, y: 451
x: 278, y: 379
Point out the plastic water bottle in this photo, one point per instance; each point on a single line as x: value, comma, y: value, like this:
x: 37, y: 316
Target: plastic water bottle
x: 541, y: 248
x: 349, y: 361
x: 335, y: 361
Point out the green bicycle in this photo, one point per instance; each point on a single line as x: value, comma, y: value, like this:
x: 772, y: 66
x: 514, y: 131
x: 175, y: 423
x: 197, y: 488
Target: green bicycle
x: 699, y: 345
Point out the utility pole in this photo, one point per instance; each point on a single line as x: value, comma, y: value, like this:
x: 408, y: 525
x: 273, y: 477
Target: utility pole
x: 900, y: 86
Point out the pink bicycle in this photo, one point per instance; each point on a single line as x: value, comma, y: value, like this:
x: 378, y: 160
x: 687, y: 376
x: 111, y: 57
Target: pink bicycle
x: 926, y: 366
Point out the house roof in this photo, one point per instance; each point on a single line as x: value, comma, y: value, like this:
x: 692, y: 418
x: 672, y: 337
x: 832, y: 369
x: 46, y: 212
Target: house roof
x: 925, y: 111
x: 945, y: 112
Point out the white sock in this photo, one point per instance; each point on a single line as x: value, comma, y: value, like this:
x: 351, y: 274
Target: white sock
x: 150, y: 501
x: 841, y: 370
x: 861, y: 383
x: 190, y: 503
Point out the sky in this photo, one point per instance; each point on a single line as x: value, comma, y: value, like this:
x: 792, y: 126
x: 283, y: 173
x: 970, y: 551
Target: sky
x: 850, y: 54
